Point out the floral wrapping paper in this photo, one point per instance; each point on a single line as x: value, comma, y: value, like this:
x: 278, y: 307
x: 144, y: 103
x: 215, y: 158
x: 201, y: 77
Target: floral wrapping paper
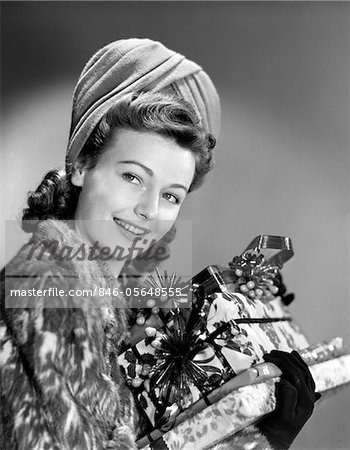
x: 244, y: 343
x: 245, y: 406
x: 329, y: 375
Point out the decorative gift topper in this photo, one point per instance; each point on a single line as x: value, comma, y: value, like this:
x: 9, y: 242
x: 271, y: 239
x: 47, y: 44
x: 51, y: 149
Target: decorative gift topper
x: 176, y: 365
x: 252, y: 274
x: 184, y: 360
x: 160, y: 292
x: 258, y: 277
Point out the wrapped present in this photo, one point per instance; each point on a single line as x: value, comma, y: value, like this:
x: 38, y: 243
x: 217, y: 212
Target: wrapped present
x: 244, y: 406
x: 179, y: 361
x: 249, y: 314
x: 175, y: 365
x: 247, y: 397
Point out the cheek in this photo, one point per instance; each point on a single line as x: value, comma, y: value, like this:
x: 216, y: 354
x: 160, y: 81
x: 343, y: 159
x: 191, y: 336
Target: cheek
x: 93, y: 188
x: 166, y: 221
x: 102, y: 194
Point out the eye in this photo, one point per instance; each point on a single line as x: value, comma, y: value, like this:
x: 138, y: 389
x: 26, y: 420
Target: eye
x: 171, y: 198
x: 131, y: 178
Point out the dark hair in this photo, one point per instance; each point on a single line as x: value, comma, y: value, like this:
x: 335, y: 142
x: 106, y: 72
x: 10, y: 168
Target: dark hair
x: 165, y: 114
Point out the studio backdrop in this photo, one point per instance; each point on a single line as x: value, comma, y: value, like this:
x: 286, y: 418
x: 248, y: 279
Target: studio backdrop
x: 282, y: 161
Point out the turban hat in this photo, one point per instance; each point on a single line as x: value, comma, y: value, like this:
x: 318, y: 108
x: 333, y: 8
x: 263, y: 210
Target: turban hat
x: 130, y: 65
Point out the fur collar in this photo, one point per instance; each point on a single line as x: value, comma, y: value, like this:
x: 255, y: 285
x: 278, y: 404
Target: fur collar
x: 56, y: 252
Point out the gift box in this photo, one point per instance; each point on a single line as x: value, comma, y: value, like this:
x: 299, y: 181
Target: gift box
x: 176, y: 364
x: 249, y: 312
x: 245, y: 406
x: 244, y: 400
x: 191, y: 358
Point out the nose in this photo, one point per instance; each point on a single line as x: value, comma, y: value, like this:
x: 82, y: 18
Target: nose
x: 147, y: 206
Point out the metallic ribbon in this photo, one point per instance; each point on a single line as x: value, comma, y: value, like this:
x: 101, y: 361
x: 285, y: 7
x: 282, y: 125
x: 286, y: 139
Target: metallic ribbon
x: 281, y: 243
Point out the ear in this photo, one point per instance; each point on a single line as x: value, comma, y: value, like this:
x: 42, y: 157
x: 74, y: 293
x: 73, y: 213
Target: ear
x: 78, y: 174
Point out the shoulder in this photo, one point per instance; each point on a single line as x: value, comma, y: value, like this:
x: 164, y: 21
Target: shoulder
x: 35, y: 279
x: 53, y: 273
x: 36, y: 265
x: 47, y: 242
x: 55, y: 251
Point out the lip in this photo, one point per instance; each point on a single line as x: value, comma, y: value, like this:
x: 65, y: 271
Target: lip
x: 122, y: 224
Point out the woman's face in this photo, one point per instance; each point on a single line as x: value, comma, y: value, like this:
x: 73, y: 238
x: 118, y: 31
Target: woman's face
x: 135, y: 191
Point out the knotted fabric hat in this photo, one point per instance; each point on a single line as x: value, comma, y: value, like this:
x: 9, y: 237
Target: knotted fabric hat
x: 130, y: 65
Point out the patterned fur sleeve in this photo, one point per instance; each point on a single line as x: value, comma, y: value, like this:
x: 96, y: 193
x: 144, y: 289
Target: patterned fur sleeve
x: 57, y: 390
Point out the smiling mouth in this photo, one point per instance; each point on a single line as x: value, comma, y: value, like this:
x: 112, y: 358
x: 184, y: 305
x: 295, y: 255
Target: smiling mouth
x: 130, y: 228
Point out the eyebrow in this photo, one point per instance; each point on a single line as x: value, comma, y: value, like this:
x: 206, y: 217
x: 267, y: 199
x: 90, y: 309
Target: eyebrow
x: 145, y: 168
x: 180, y: 186
x: 150, y: 173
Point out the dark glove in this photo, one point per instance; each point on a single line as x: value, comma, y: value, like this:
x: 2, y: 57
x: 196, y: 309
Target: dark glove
x: 295, y: 398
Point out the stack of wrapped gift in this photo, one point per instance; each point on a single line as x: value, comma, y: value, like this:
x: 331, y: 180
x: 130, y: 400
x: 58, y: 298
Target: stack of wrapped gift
x: 198, y: 373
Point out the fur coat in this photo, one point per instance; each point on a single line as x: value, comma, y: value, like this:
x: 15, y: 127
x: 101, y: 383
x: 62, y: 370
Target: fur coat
x: 61, y: 386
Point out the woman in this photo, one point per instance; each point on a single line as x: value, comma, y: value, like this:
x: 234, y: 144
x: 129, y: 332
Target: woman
x: 143, y: 125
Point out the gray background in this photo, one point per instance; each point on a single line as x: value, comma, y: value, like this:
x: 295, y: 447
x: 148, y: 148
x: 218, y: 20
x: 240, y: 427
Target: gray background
x: 282, y: 71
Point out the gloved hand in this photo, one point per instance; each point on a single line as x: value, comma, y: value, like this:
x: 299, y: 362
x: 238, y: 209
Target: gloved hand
x: 295, y: 398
